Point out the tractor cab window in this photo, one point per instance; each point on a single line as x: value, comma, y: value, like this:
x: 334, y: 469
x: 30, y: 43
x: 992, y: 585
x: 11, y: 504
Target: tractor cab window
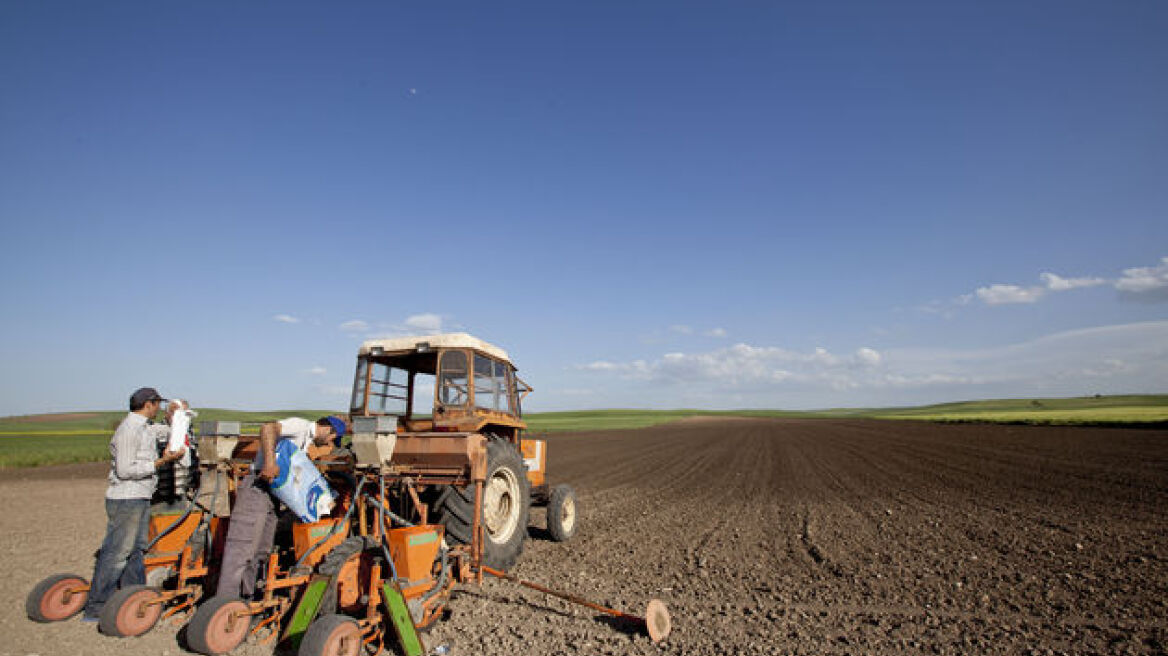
x: 389, y: 389
x: 453, y: 379
x: 492, y: 385
x: 380, y: 389
x: 522, y: 389
x: 357, y: 403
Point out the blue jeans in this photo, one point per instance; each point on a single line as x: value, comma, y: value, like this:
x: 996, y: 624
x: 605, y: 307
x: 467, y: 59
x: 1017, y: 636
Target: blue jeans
x: 120, y: 560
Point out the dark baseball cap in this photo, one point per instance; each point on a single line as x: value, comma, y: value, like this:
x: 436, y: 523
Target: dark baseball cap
x: 143, y: 395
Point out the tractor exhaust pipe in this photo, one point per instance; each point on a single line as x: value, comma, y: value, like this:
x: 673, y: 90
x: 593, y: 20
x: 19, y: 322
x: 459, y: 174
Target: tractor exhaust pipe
x: 656, y: 620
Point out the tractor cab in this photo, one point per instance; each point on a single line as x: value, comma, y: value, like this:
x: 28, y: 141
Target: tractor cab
x: 440, y: 383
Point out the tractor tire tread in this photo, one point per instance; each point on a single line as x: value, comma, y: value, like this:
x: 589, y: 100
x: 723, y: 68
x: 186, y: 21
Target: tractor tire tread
x: 454, y: 507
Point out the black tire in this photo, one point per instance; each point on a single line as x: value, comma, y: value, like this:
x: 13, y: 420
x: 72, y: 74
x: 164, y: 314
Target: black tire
x: 341, y: 554
x: 52, y: 601
x: 332, y: 635
x: 507, y: 527
x: 562, y: 516
x: 126, y: 614
x: 351, y: 546
x: 212, y: 632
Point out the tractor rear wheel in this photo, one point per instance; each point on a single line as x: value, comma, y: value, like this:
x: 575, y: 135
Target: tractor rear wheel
x: 218, y: 626
x: 331, y: 635
x: 57, y: 598
x: 130, y: 612
x: 506, y: 501
x: 561, y: 513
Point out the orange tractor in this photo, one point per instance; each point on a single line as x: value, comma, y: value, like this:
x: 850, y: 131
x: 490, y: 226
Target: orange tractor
x: 434, y: 496
x: 471, y: 402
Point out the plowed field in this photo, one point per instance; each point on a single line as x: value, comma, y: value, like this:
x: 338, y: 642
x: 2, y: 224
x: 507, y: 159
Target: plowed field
x: 768, y: 537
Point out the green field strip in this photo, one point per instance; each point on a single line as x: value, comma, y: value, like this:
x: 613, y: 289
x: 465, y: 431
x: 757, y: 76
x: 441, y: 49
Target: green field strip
x: 35, y: 440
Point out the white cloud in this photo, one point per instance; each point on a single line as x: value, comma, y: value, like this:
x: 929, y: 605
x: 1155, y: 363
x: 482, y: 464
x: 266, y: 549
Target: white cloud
x: 740, y: 364
x: 1008, y: 294
x: 868, y: 357
x: 1142, y: 283
x: 1150, y: 282
x: 600, y: 365
x: 355, y: 326
x: 416, y: 324
x: 1108, y: 359
x: 426, y: 322
x: 1131, y: 356
x: 318, y: 371
x: 1059, y: 284
x: 286, y: 318
x: 716, y: 332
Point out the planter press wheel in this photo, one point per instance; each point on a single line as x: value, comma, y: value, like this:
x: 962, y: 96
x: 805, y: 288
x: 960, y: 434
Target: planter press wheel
x: 57, y: 598
x: 332, y: 635
x: 129, y: 612
x: 219, y: 626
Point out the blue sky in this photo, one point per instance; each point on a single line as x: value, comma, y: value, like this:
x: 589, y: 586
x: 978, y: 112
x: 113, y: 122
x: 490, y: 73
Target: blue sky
x: 783, y: 205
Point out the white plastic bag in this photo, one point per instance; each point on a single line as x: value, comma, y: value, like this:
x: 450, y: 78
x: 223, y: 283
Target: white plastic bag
x: 180, y: 426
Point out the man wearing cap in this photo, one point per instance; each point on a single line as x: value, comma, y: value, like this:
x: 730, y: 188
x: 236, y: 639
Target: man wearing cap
x: 252, y: 528
x: 133, y: 475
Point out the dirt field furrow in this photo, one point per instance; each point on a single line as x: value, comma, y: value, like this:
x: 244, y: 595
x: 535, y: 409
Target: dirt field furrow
x: 769, y: 537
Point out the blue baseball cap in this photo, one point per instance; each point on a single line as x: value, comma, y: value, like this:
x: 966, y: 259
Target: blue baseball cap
x: 338, y: 425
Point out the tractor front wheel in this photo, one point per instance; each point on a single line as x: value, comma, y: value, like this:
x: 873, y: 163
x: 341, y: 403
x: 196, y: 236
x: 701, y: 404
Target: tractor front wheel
x: 219, y: 626
x: 130, y: 612
x: 332, y: 635
x: 57, y: 598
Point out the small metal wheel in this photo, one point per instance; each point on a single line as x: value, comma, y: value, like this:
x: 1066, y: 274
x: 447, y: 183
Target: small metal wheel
x: 657, y: 621
x: 561, y: 513
x: 57, y: 598
x: 219, y: 626
x: 332, y: 635
x: 130, y: 612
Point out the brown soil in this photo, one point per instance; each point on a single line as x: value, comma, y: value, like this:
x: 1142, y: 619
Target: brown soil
x: 771, y: 537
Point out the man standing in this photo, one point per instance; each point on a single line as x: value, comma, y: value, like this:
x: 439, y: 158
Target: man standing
x: 132, y: 477
x: 252, y: 528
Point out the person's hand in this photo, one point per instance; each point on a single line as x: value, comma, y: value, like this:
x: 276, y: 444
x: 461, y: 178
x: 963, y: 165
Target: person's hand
x: 169, y: 457
x: 270, y: 471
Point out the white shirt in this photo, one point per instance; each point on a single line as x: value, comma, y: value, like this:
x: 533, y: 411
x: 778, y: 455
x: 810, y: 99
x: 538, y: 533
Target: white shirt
x: 133, y: 450
x: 300, y: 431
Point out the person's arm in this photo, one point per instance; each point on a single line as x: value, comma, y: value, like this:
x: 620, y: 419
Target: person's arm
x: 269, y: 433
